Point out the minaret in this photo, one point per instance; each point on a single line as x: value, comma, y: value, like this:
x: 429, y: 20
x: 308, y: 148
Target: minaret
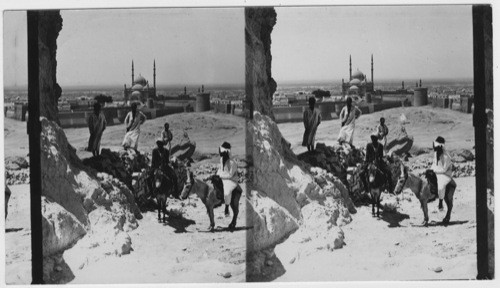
x: 372, y: 69
x: 350, y: 68
x: 154, y: 75
x: 132, y: 72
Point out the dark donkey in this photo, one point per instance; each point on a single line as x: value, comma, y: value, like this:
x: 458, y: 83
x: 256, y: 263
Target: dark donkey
x: 376, y: 184
x: 163, y: 187
x: 212, y: 198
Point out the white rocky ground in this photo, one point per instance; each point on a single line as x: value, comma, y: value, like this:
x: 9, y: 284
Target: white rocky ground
x: 395, y: 247
x: 179, y: 251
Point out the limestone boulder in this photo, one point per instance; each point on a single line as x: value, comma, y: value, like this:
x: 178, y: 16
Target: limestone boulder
x: 271, y: 222
x: 61, y: 229
x: 81, y: 202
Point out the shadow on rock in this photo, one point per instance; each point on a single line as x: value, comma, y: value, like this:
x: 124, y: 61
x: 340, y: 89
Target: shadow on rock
x: 271, y: 270
x: 57, y: 271
x: 179, y: 223
x: 394, y: 218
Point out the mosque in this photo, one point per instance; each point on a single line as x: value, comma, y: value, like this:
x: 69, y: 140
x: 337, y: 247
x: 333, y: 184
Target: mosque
x: 358, y: 83
x: 140, y: 89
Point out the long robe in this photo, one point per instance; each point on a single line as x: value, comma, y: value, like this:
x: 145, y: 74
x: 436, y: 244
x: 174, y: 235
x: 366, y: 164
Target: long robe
x: 443, y: 170
x: 96, y: 124
x: 312, y: 118
x: 382, y: 132
x: 349, y: 119
x: 229, y: 176
x: 131, y: 139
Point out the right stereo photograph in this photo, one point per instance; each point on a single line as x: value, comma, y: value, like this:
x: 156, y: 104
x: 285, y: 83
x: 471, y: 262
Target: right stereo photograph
x: 371, y: 143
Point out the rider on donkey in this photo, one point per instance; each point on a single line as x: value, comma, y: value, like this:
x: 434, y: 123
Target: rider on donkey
x: 442, y: 166
x: 374, y: 154
x: 228, y: 172
x: 160, y: 160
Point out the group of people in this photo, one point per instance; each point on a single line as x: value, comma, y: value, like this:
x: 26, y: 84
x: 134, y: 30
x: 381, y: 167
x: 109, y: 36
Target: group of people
x: 97, y: 124
x: 375, y: 149
x: 160, y: 158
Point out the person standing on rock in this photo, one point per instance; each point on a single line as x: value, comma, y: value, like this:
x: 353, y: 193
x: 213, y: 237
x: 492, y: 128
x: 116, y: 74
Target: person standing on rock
x: 382, y: 132
x: 348, y: 117
x: 312, y: 119
x: 228, y: 172
x: 133, y: 122
x: 97, y: 125
x: 442, y: 166
x: 166, y: 136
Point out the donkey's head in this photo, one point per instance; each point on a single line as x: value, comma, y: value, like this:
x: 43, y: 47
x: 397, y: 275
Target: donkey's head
x: 403, y: 176
x: 188, y: 185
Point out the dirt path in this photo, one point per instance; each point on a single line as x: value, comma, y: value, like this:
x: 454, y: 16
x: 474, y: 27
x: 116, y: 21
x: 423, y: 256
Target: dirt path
x: 392, y: 248
x: 181, y: 250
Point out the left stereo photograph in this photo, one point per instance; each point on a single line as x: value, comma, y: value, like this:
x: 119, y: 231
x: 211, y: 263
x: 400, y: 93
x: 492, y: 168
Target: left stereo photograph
x: 142, y: 170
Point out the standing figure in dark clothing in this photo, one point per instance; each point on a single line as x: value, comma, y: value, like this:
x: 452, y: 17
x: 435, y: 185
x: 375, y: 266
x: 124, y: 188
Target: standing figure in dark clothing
x: 312, y: 119
x: 97, y: 124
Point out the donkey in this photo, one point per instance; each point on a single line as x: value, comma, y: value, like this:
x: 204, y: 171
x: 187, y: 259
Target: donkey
x: 425, y: 190
x: 212, y: 198
x: 163, y: 187
x: 376, y: 183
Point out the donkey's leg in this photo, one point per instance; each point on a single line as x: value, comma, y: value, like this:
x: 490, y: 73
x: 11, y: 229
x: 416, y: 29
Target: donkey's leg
x: 164, y: 209
x: 423, y: 205
x: 426, y: 212
x: 158, y: 204
x: 448, y: 198
x: 378, y: 203
x: 374, y: 202
x: 235, y: 202
x: 210, y: 211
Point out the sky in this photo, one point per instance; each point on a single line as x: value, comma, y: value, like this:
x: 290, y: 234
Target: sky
x: 96, y: 47
x: 206, y: 46
x: 407, y: 42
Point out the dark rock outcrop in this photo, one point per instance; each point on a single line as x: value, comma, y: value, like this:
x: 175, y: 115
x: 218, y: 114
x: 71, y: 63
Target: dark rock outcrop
x: 260, y: 86
x: 49, y: 26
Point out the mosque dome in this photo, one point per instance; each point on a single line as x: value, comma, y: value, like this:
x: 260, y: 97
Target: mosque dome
x: 353, y: 88
x: 355, y: 81
x: 358, y: 75
x: 137, y: 87
x: 140, y: 80
x: 136, y: 95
